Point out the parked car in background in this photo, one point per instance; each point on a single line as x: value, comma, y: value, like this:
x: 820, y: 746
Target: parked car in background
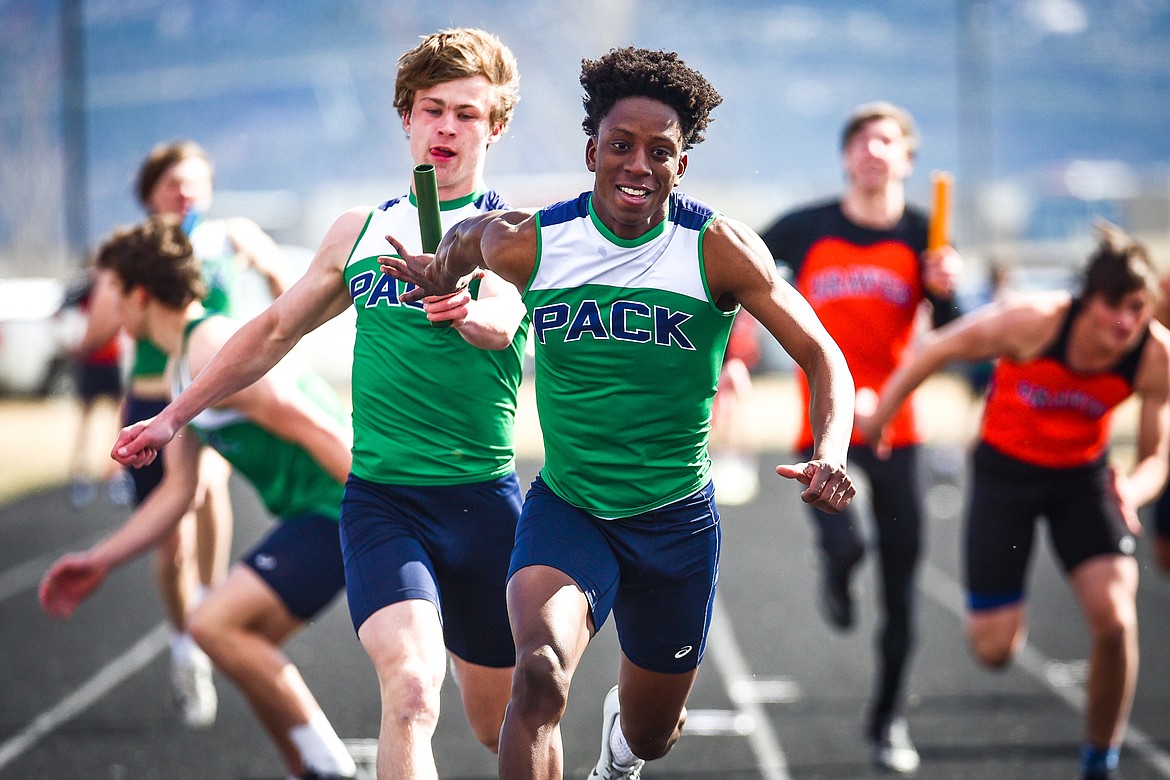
x: 36, y: 331
x: 40, y: 320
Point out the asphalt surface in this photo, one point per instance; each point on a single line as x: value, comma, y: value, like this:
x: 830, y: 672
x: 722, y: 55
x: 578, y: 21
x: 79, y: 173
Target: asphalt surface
x: 780, y: 695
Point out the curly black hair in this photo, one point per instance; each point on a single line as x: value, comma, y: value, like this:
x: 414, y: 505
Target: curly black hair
x: 661, y: 75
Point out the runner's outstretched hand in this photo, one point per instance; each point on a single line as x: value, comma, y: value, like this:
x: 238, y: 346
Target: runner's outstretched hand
x: 1119, y: 487
x: 139, y: 444
x: 68, y: 582
x: 423, y: 272
x: 827, y: 487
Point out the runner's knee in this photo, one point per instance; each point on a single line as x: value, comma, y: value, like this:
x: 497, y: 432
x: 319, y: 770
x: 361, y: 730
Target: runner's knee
x: 1111, y: 632
x: 541, y: 686
x: 651, y: 741
x: 994, y: 649
x: 410, y: 694
x: 204, y: 629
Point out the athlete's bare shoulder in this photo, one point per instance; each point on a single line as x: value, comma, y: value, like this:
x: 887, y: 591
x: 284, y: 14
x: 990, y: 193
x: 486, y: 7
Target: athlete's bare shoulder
x: 1023, y: 325
x: 1154, y: 372
x: 340, y: 238
x: 736, y: 261
x: 508, y: 242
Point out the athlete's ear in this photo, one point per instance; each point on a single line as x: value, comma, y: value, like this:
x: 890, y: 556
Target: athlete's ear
x: 591, y: 154
x: 406, y: 123
x: 682, y: 167
x: 496, y: 134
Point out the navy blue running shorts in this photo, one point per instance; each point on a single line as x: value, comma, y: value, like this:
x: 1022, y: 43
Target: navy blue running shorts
x: 146, y: 478
x: 446, y: 544
x: 300, y: 559
x: 1008, y: 496
x: 656, y: 571
x: 98, y: 380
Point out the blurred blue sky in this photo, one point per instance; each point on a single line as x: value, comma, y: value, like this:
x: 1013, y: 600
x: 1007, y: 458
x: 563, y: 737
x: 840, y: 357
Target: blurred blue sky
x: 1056, y: 108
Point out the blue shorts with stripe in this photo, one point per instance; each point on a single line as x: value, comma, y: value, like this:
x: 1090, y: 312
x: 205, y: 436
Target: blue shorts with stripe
x: 300, y: 559
x: 655, y: 571
x: 447, y: 544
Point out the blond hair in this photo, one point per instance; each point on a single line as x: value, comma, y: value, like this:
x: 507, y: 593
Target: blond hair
x: 455, y: 54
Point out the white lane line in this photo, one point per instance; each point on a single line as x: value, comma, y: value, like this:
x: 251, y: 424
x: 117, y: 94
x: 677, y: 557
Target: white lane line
x: 28, y: 574
x: 945, y: 590
x: 732, y: 667
x: 718, y: 723
x: 108, y: 678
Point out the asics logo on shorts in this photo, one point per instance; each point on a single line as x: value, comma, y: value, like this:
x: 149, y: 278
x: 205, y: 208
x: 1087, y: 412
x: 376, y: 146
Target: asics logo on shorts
x: 684, y: 651
x: 265, y: 562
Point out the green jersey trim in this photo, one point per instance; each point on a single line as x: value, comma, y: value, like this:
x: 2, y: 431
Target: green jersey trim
x: 628, y: 243
x: 450, y: 205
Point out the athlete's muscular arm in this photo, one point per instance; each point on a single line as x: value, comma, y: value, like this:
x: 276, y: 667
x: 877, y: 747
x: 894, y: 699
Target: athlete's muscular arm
x: 1016, y: 330
x: 739, y: 269
x: 501, y: 241
x: 1147, y: 478
x: 489, y: 321
x: 74, y: 576
x: 276, y: 403
x: 317, y: 297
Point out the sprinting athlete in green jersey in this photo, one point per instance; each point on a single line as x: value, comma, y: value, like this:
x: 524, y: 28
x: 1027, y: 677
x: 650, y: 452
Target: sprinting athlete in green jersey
x: 631, y: 289
x: 176, y: 179
x: 431, y: 506
x: 288, y: 436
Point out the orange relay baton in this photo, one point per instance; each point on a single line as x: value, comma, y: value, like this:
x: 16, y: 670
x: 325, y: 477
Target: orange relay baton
x: 939, y: 233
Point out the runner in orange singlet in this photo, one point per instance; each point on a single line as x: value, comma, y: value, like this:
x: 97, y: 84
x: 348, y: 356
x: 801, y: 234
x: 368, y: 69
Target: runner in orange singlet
x: 1064, y: 363
x: 861, y: 261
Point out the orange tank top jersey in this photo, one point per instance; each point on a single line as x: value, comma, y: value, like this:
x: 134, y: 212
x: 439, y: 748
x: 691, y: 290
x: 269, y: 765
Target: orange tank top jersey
x: 107, y: 355
x: 1043, y: 413
x: 865, y: 286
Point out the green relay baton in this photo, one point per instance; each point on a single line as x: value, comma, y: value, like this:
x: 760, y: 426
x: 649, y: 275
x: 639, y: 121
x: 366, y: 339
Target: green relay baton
x: 426, y: 192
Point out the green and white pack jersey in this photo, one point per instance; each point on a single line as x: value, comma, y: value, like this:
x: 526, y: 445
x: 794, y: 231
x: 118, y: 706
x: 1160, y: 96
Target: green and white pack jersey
x: 428, y: 408
x: 291, y: 483
x: 629, y: 346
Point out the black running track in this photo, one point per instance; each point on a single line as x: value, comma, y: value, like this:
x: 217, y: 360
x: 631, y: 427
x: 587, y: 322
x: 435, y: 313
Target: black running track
x: 779, y: 695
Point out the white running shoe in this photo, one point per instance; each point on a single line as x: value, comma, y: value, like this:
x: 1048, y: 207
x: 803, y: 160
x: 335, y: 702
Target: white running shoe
x: 893, y: 751
x: 120, y: 489
x: 193, y: 690
x: 82, y: 492
x: 606, y: 769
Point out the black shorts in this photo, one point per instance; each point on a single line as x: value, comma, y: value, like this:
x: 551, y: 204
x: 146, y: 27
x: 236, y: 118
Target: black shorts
x: 97, y: 380
x: 1007, y: 498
